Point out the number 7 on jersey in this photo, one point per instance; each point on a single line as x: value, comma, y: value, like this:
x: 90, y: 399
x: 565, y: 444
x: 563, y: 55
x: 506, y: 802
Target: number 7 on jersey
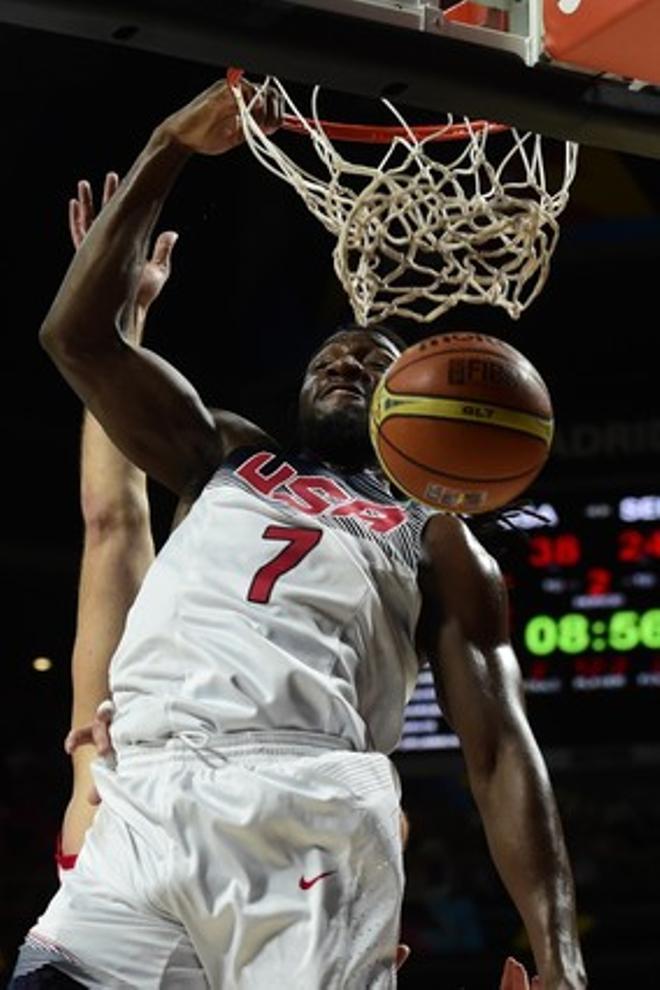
x: 299, y: 542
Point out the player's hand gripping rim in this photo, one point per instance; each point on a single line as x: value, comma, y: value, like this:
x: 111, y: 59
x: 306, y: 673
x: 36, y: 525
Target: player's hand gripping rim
x: 210, y: 124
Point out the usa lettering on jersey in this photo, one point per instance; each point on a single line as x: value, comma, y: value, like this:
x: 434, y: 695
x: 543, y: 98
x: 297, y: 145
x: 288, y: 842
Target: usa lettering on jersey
x: 315, y: 494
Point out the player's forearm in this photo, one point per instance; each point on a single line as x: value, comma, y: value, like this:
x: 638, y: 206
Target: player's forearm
x: 113, y: 566
x: 527, y: 845
x: 79, y: 813
x: 113, y: 491
x: 100, y: 284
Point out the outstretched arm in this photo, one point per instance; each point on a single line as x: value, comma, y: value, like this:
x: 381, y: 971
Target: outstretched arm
x: 464, y: 629
x: 118, y: 546
x: 149, y: 410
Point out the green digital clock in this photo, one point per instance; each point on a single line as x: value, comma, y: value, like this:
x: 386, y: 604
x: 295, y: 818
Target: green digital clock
x: 623, y: 630
x: 584, y: 591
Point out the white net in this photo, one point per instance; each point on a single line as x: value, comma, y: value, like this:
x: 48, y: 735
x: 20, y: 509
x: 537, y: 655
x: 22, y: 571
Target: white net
x: 415, y: 235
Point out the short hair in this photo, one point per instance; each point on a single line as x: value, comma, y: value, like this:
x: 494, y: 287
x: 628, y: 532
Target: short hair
x: 381, y: 329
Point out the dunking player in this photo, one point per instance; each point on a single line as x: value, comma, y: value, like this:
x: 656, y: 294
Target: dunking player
x: 252, y: 819
x: 117, y: 550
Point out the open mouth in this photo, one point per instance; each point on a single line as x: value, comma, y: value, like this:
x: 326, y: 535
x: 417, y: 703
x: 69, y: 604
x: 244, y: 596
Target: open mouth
x: 344, y: 387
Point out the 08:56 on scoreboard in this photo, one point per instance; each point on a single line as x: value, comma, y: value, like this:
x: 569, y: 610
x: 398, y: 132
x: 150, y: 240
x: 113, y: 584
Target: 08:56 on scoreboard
x: 584, y: 587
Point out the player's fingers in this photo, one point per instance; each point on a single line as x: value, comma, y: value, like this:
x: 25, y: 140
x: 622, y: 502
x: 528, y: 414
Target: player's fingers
x: 93, y: 796
x: 74, y: 223
x: 536, y: 983
x: 86, y: 200
x: 78, y: 737
x: 110, y: 186
x: 514, y: 976
x: 105, y: 711
x: 101, y: 728
x: 273, y: 111
x: 101, y: 737
x: 265, y: 104
x: 162, y: 253
x: 505, y: 981
x: 402, y: 954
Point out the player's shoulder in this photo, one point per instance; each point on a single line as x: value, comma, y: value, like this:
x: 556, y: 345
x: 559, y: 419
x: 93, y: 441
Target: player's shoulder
x: 450, y: 543
x: 443, y: 529
x: 235, y: 431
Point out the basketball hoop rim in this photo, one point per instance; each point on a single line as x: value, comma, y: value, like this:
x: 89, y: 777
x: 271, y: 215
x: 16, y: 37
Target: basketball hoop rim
x: 377, y: 133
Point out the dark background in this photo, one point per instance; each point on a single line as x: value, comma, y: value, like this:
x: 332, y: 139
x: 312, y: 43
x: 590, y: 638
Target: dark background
x: 251, y: 294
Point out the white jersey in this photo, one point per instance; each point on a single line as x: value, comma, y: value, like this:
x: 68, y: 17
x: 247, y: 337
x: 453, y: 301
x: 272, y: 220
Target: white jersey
x: 286, y: 600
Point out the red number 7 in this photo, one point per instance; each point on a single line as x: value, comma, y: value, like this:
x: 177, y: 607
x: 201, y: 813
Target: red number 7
x: 300, y: 541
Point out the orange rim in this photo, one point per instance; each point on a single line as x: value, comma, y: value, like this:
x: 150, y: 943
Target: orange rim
x: 376, y: 133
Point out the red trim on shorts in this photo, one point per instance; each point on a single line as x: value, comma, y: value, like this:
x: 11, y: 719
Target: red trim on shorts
x: 65, y: 861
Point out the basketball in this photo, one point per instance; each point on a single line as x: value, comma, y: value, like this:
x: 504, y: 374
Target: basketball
x: 462, y: 422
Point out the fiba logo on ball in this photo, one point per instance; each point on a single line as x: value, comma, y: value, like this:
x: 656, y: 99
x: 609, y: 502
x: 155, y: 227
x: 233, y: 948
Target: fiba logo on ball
x: 462, y: 422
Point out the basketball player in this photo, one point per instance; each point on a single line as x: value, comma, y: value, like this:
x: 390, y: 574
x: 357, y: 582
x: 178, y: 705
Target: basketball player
x: 118, y: 546
x: 252, y: 820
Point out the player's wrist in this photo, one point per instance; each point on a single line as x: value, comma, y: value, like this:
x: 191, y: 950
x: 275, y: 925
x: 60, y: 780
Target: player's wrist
x: 168, y: 137
x: 166, y: 143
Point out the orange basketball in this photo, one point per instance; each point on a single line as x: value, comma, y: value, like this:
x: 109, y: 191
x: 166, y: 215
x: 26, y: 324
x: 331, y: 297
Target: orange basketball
x: 462, y: 422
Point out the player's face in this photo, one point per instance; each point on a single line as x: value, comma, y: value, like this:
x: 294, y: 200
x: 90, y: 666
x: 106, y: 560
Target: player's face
x: 336, y: 395
x: 346, y: 371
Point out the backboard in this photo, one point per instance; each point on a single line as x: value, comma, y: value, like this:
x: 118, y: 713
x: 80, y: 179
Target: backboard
x: 559, y: 67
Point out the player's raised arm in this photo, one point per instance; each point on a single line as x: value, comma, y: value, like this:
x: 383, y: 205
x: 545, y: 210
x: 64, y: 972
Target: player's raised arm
x: 149, y: 410
x: 464, y: 630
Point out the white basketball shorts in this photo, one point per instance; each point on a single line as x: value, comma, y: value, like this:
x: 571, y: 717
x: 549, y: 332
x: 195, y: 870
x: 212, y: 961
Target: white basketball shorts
x: 260, y: 863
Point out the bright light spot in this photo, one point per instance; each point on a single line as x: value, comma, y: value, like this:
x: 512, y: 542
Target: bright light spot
x: 42, y: 664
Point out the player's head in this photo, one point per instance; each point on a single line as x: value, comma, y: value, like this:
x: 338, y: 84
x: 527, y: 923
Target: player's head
x: 336, y: 393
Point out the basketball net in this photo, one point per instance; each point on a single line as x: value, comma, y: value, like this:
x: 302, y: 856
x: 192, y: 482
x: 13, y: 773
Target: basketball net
x: 416, y: 236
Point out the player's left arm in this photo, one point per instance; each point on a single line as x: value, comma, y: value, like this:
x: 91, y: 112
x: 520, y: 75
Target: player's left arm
x: 464, y: 631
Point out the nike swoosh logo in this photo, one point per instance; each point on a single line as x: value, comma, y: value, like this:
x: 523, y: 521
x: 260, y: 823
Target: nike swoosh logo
x: 306, y: 884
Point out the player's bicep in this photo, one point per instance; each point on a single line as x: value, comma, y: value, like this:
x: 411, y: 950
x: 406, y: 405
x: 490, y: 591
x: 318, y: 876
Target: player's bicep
x: 475, y: 668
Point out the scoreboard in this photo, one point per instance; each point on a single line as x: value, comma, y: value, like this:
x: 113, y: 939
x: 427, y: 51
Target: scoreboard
x: 583, y: 574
